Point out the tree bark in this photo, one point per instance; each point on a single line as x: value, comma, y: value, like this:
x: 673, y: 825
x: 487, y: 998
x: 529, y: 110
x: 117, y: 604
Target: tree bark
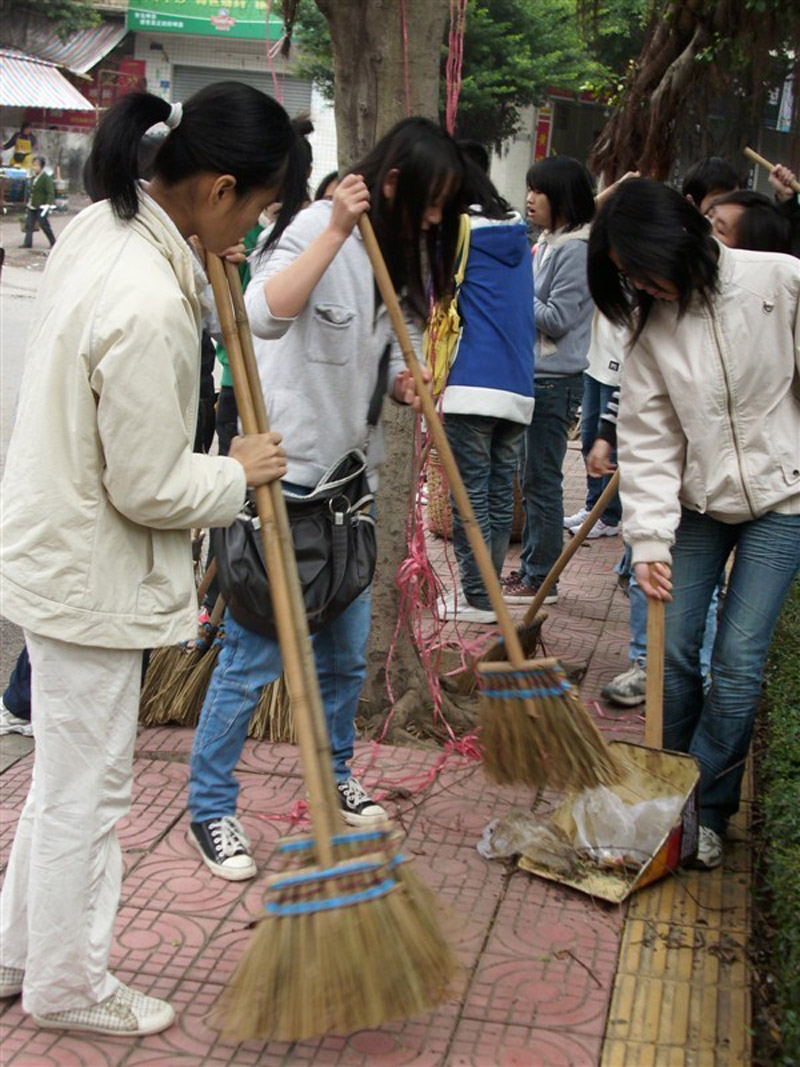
x: 370, y: 97
x: 370, y: 68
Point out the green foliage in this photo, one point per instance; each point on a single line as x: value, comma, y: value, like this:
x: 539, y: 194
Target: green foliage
x: 65, y: 16
x: 780, y: 778
x: 313, y: 41
x: 514, y: 50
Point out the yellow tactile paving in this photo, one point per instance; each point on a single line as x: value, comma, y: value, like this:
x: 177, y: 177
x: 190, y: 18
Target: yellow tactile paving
x: 681, y: 995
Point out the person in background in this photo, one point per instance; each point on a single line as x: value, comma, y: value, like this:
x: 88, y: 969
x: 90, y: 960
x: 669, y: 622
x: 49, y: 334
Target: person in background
x: 745, y: 219
x: 23, y: 144
x: 488, y: 399
x: 709, y: 439
x: 41, y: 201
x: 327, y: 186
x: 561, y: 200
x: 104, y: 434
x: 603, y: 375
x: 707, y: 179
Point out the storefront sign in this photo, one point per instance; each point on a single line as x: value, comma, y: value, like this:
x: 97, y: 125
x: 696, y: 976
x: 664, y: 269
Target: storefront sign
x: 205, y: 18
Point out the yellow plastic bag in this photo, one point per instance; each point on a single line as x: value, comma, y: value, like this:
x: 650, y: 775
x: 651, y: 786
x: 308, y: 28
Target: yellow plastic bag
x: 443, y: 331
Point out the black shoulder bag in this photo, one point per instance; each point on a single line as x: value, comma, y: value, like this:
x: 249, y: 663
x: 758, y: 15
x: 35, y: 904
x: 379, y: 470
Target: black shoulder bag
x: 333, y: 530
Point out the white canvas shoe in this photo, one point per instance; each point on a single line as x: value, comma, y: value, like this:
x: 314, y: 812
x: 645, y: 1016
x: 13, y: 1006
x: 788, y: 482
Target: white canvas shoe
x: 126, y: 1013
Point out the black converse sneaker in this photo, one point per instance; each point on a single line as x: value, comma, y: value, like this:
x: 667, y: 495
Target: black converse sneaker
x: 224, y: 847
x: 358, y: 808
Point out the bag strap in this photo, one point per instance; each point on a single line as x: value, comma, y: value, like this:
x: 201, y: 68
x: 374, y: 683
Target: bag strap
x: 376, y: 402
x: 462, y: 250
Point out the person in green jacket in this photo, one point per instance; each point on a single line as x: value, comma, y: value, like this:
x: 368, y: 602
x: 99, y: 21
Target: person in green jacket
x: 42, y: 199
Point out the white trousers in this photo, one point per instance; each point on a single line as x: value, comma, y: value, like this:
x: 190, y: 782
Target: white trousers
x: 62, y: 886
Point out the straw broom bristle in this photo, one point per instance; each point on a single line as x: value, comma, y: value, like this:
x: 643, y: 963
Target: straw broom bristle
x: 166, y: 673
x: 535, y: 731
x: 346, y: 966
x: 272, y: 718
x: 188, y: 700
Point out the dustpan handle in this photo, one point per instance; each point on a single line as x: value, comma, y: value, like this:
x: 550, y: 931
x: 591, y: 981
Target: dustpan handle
x: 302, y: 684
x: 654, y: 685
x: 479, y: 550
x: 572, y: 547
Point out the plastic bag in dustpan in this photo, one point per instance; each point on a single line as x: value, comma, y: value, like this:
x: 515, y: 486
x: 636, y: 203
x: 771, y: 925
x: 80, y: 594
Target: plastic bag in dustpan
x: 648, y: 773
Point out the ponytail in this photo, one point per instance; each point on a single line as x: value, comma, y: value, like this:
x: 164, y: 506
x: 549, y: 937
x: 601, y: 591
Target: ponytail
x: 113, y: 164
x: 226, y: 128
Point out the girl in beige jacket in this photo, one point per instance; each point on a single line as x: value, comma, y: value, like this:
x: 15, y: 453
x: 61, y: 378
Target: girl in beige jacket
x: 101, y: 489
x: 709, y: 457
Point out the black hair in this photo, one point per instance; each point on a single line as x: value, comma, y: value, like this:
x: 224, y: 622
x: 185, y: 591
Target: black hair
x: 709, y: 174
x: 428, y: 162
x: 657, y: 235
x: 568, y: 186
x: 475, y: 151
x: 332, y: 176
x: 41, y: 161
x: 27, y: 123
x: 479, y: 189
x: 226, y: 128
x: 303, y: 126
x: 762, y: 227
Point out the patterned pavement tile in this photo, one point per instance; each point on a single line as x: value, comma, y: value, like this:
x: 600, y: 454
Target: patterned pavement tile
x: 159, y: 798
x: 174, y: 741
x: 158, y: 943
x: 549, y: 961
x: 491, y: 1044
x: 195, y: 1039
x: 14, y: 786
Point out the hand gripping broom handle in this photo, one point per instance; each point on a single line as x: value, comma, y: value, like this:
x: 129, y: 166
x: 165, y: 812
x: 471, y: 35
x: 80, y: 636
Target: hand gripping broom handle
x: 654, y: 685
x: 765, y: 163
x: 282, y: 570
x: 479, y: 550
x: 572, y: 547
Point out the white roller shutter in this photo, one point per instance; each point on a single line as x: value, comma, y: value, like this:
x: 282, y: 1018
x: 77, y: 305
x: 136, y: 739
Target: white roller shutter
x: 187, y: 80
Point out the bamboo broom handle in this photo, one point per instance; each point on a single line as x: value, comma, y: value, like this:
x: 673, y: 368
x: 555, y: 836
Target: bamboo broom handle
x: 208, y: 578
x: 269, y: 499
x: 654, y: 690
x: 572, y: 547
x: 765, y: 163
x: 284, y: 531
x: 479, y: 550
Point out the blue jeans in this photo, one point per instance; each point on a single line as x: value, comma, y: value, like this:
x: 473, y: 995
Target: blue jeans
x: 247, y: 663
x: 487, y: 452
x: 557, y: 402
x: 716, y: 728
x: 595, y: 400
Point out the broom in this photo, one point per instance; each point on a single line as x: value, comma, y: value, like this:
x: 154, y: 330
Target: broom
x: 654, y: 679
x: 350, y: 939
x: 169, y: 667
x: 535, y: 730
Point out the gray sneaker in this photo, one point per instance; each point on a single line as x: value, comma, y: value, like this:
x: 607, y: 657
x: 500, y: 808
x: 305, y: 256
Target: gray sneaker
x: 126, y: 1013
x: 710, y: 852
x: 627, y: 688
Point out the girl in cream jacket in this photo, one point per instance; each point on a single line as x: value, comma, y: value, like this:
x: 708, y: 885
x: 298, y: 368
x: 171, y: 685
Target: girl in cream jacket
x: 709, y: 456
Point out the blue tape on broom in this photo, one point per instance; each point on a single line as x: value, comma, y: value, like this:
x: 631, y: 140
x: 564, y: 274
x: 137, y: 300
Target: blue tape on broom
x: 303, y: 844
x: 307, y: 907
x: 524, y: 694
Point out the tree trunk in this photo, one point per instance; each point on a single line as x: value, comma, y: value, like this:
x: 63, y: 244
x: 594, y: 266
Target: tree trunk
x: 370, y: 68
x: 370, y: 94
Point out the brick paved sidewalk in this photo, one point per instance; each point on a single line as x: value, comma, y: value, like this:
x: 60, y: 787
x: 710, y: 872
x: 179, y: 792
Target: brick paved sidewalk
x: 539, y: 960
